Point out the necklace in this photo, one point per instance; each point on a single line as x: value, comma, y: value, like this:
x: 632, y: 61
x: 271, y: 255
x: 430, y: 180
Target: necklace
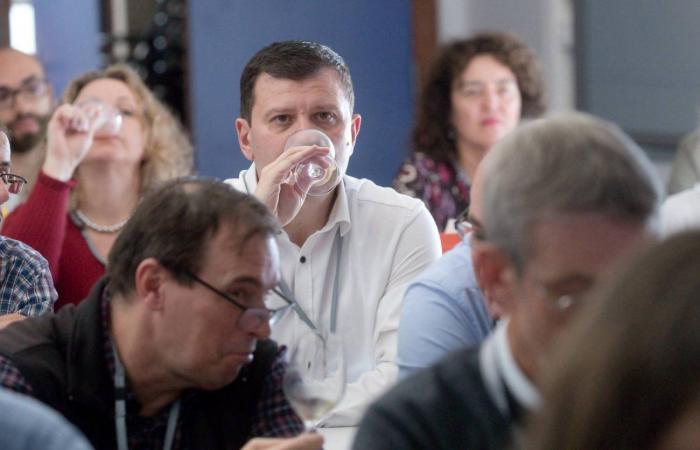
x: 100, y: 228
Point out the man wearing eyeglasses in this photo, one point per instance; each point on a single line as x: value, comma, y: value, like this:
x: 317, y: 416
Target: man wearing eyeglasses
x: 26, y: 286
x: 170, y: 350
x: 564, y: 200
x: 26, y: 103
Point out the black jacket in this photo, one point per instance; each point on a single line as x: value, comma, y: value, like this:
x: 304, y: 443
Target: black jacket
x: 62, y: 356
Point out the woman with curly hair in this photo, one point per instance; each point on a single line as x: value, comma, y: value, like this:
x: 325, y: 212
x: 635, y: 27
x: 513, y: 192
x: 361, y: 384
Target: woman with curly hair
x: 90, y: 182
x: 478, y: 90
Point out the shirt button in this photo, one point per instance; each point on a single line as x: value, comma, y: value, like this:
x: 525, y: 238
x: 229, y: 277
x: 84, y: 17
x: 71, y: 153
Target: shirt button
x: 302, y: 259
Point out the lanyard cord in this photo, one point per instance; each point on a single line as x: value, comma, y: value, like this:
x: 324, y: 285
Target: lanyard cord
x: 284, y: 287
x: 120, y: 409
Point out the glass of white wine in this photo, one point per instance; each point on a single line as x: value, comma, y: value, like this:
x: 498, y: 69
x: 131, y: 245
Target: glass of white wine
x: 315, y: 379
x: 319, y: 175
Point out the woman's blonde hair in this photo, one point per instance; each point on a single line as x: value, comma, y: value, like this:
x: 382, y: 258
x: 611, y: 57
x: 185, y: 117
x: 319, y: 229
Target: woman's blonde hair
x: 167, y: 153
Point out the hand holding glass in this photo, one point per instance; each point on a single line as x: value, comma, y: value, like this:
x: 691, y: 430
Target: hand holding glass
x: 318, y: 175
x: 315, y: 379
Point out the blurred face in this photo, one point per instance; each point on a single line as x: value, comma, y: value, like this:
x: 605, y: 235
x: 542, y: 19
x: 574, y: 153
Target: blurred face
x: 200, y: 337
x: 569, y: 253
x: 283, y: 106
x: 127, y: 146
x: 5, y: 155
x: 25, y: 99
x: 485, y: 103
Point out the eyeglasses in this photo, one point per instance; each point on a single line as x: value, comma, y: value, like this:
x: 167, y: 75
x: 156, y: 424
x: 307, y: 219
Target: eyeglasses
x: 251, y: 319
x: 13, y: 182
x: 30, y: 90
x: 468, y: 224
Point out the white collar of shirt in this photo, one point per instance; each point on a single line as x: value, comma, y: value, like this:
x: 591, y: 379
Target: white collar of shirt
x: 340, y: 214
x: 498, y: 366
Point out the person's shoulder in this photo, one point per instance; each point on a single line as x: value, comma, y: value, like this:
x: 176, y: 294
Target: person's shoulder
x: 362, y: 191
x: 18, y: 253
x: 431, y: 389
x: 34, y: 425
x: 441, y: 272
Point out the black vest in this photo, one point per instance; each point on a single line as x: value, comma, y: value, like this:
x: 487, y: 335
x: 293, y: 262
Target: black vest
x: 62, y: 357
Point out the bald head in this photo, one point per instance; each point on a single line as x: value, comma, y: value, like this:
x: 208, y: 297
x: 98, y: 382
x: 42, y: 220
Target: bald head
x: 25, y: 98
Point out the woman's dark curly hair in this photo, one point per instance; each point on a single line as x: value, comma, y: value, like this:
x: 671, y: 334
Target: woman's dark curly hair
x: 431, y: 133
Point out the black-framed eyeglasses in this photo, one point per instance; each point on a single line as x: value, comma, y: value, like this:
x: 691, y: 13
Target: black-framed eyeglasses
x: 251, y: 318
x: 13, y: 182
x: 31, y: 89
x: 467, y: 224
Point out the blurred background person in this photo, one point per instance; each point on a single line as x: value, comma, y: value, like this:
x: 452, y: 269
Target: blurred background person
x: 90, y: 184
x: 685, y: 169
x: 681, y: 211
x: 28, y: 424
x: 26, y: 102
x: 478, y: 89
x: 26, y: 288
x: 635, y: 381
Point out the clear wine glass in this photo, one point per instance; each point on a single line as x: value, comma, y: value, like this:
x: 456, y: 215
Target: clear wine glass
x: 315, y: 379
x: 104, y: 118
x: 318, y: 175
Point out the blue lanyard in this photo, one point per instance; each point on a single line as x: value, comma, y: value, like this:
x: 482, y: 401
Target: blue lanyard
x: 120, y: 409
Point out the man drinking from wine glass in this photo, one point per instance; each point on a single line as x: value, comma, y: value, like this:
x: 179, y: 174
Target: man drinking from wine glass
x: 170, y: 349
x: 346, y: 255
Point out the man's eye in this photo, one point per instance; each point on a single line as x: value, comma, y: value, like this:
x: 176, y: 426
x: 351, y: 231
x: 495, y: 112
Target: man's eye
x: 326, y: 116
x: 4, y: 94
x: 281, y: 119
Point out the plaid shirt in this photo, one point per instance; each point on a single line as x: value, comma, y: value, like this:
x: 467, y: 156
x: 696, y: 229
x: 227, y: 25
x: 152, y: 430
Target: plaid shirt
x: 26, y: 286
x: 274, y: 416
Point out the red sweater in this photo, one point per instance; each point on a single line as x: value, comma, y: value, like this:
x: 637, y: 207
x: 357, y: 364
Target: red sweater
x: 43, y: 222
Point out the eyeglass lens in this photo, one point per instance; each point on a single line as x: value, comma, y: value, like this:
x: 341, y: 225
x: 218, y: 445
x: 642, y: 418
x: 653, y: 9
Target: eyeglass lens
x: 14, y: 182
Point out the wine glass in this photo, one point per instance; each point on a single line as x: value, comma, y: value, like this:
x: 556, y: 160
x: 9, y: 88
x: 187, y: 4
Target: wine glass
x: 319, y: 175
x: 104, y: 119
x: 315, y: 379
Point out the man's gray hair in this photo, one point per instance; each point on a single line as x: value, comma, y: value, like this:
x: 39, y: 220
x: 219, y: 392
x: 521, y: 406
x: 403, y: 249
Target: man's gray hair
x: 570, y: 163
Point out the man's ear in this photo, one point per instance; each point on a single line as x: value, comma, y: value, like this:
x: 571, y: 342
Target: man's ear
x: 355, y: 128
x: 496, y: 277
x: 148, y: 283
x: 243, y: 132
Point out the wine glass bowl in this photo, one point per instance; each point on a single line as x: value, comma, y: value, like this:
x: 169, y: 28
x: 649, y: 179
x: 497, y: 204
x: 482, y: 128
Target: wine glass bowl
x: 315, y: 378
x: 318, y: 175
x: 104, y: 118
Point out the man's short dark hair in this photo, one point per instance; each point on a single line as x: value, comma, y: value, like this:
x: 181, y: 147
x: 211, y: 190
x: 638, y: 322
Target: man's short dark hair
x: 292, y: 60
x: 174, y: 224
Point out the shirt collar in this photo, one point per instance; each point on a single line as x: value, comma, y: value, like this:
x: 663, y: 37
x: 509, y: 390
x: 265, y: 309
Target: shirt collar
x: 521, y: 387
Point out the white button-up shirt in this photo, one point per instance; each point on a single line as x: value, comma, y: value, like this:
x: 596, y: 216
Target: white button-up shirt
x: 387, y: 240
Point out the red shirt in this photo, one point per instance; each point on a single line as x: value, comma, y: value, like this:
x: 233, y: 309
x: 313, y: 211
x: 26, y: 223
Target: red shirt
x: 44, y: 223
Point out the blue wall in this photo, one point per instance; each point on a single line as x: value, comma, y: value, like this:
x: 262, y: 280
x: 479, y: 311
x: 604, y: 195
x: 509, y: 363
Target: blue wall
x: 373, y: 36
x: 67, y: 38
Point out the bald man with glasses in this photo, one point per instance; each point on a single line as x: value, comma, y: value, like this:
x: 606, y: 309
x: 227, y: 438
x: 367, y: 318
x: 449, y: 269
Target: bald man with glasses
x: 26, y: 286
